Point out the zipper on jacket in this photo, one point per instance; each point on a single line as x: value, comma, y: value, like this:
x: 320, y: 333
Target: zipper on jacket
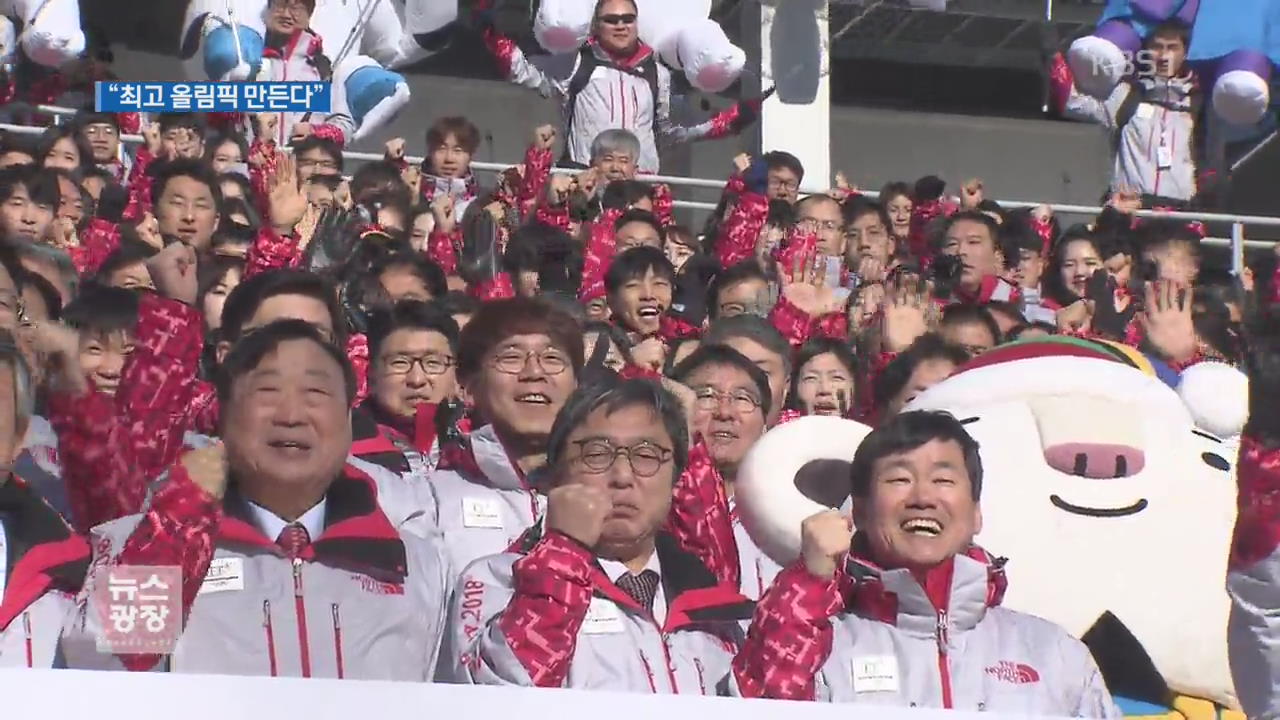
x: 302, y: 617
x: 648, y: 669
x: 337, y: 639
x: 666, y: 655
x: 702, y: 681
x: 26, y: 630
x: 271, y: 636
x: 944, y: 665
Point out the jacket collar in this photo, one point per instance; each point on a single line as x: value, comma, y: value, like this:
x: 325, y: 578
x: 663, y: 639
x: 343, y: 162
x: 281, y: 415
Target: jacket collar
x: 961, y: 588
x: 642, y: 53
x: 357, y: 535
x: 44, y: 552
x: 692, y: 591
x: 492, y: 461
x: 375, y: 443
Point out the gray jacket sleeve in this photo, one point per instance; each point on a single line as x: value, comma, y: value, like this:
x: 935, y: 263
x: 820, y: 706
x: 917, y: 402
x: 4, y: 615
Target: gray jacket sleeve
x: 478, y: 651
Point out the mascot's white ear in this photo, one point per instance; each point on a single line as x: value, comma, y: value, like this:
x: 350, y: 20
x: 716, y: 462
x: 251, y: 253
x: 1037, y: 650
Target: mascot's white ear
x: 1097, y: 64
x: 1217, y: 396
x: 1241, y: 97
x: 561, y: 26
x: 8, y: 39
x: 770, y: 505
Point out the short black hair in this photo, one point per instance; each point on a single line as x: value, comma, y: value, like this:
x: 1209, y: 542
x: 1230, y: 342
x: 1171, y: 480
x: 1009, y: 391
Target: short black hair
x: 428, y: 272
x: 725, y: 356
x: 218, y: 140
x: 1158, y: 234
x: 244, y: 301
x: 614, y: 395
x: 378, y: 178
x: 858, y: 206
x: 750, y: 327
x: 499, y: 320
x: 254, y: 347
x: 15, y: 143
x: 162, y: 172
x: 634, y: 264
x: 730, y: 276
x: 457, y: 302
x: 48, y: 293
x: 897, y: 373
x: 315, y: 142
x: 412, y: 315
x: 781, y: 159
x: 966, y: 314
x: 130, y: 251
x: 636, y: 215
x: 977, y: 217
x: 1171, y: 26
x: 622, y: 194
x: 195, y: 121
x: 1006, y: 308
x: 905, y: 432
x: 41, y: 184
x: 101, y: 309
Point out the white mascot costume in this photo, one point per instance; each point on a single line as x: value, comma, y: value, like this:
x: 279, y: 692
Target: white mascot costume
x: 1112, y: 495
x: 51, y: 34
x: 681, y: 32
x: 363, y: 39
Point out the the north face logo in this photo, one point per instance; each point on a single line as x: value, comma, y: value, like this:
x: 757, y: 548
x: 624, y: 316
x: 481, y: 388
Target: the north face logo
x: 1012, y: 672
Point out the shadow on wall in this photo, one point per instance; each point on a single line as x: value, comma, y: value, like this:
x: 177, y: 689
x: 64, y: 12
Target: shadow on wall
x: 796, y: 50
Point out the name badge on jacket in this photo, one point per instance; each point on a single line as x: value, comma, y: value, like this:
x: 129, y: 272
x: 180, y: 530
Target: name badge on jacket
x: 603, y: 618
x: 875, y: 673
x: 225, y: 573
x: 481, y: 513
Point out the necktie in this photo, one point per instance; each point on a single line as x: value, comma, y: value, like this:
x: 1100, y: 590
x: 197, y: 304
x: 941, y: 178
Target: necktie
x: 642, y: 588
x: 293, y: 539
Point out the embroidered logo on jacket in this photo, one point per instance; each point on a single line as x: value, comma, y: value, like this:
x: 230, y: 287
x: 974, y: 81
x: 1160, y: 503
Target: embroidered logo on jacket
x: 1012, y: 672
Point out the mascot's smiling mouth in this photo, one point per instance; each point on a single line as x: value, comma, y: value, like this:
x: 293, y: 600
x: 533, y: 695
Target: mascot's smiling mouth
x: 1098, y: 512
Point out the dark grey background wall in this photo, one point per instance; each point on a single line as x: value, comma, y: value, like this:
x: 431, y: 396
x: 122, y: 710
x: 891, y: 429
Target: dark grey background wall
x: 1019, y: 159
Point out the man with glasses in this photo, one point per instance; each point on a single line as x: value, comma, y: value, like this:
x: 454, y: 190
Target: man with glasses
x: 413, y: 348
x: 599, y: 595
x: 613, y: 81
x: 871, y: 247
x: 732, y: 400
x: 518, y: 361
x: 102, y: 132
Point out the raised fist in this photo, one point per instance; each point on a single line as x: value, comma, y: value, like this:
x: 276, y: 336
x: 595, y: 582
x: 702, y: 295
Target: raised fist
x: 544, y: 137
x: 824, y: 540
x: 207, y: 468
x: 578, y: 511
x: 395, y: 149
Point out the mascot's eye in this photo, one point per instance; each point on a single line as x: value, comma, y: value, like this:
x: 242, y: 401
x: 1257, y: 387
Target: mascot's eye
x: 970, y: 420
x: 1217, y: 462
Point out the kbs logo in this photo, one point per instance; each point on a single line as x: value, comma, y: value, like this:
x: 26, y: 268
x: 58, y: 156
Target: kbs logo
x: 1012, y: 672
x: 1136, y: 64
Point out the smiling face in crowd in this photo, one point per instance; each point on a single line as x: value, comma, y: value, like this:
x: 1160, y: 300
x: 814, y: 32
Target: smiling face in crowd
x: 523, y: 383
x: 919, y: 509
x: 615, y: 27
x: 287, y: 426
x: 724, y: 414
x: 104, y: 139
x: 102, y: 358
x: 771, y: 363
x: 825, y: 386
x: 1079, y: 262
x: 641, y: 302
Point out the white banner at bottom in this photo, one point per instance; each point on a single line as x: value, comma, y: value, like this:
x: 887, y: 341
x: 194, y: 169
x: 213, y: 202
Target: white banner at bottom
x: 142, y: 696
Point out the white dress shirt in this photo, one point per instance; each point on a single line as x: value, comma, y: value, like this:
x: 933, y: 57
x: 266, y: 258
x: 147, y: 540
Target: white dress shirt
x: 271, y: 524
x: 615, y: 570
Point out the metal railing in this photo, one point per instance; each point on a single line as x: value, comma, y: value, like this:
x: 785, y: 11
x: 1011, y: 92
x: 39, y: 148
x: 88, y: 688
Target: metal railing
x: 1236, y: 242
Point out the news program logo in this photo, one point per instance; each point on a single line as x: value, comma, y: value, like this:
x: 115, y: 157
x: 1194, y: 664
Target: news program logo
x: 229, y: 97
x: 1140, y: 64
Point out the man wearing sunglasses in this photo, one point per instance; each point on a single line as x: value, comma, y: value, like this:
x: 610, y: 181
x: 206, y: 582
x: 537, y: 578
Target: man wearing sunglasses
x: 598, y: 595
x: 614, y: 81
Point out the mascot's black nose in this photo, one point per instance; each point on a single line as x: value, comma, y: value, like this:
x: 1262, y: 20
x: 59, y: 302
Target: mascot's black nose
x: 1095, y: 460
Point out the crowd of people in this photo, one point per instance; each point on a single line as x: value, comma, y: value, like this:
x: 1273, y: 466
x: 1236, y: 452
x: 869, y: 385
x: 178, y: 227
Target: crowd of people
x: 413, y: 424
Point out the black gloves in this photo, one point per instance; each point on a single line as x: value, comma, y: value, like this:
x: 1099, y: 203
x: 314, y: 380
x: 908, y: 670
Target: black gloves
x: 1108, y: 321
